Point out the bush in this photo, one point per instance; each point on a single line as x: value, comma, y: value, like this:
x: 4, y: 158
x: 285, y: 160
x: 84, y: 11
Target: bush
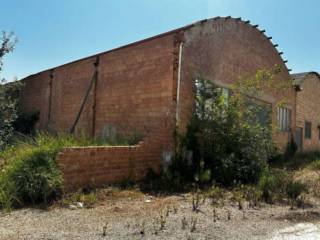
x: 226, y: 134
x: 273, y: 185
x: 252, y: 194
x: 177, y: 178
x: 25, y: 122
x: 294, y: 190
x: 315, y: 165
x: 299, y: 160
x: 291, y: 149
x: 8, y: 110
x: 88, y: 198
x: 29, y: 173
x: 36, y: 178
x: 215, y: 194
x: 8, y: 100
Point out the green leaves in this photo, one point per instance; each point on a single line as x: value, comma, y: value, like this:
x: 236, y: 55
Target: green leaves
x: 231, y: 144
x: 8, y: 103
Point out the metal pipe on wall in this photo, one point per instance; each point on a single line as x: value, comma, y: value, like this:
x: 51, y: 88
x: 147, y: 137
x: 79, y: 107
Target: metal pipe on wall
x: 178, y: 83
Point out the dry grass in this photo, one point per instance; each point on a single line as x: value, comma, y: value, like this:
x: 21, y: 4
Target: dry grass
x: 311, y: 178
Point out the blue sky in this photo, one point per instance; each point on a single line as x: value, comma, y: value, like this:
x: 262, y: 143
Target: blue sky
x: 54, y: 32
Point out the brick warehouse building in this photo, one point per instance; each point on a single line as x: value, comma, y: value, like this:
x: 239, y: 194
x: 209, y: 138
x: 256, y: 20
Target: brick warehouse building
x: 148, y: 87
x: 308, y: 111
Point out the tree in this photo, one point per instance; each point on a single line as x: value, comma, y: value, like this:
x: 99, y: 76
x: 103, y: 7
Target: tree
x: 8, y: 102
x: 230, y: 131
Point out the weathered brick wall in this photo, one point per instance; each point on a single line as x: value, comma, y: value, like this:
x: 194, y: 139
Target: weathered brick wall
x: 98, y: 166
x: 308, y: 103
x: 134, y: 90
x: 135, y: 87
x: 59, y: 98
x: 226, y: 50
x: 35, y: 96
x: 134, y: 93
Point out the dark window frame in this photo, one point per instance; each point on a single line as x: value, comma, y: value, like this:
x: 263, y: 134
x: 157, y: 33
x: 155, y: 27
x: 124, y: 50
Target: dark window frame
x: 307, y: 129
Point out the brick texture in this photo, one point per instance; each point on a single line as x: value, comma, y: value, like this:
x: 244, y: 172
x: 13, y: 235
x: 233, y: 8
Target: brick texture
x: 225, y: 51
x: 308, y: 103
x: 136, y: 92
x: 98, y: 166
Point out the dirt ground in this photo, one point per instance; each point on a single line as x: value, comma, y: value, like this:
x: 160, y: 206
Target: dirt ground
x: 133, y: 215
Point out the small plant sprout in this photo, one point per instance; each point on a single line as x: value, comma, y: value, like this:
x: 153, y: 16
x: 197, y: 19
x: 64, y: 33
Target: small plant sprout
x: 193, y: 225
x: 184, y: 223
x: 215, y: 215
x: 168, y: 212
x: 228, y: 215
x: 294, y: 190
x: 142, y: 228
x: 238, y: 197
x: 128, y: 225
x: 175, y: 209
x: 243, y: 215
x: 162, y: 223
x: 197, y: 200
x: 215, y: 194
x: 155, y: 226
x: 104, y: 229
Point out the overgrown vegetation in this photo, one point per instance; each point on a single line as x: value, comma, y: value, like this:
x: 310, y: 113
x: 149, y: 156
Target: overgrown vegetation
x: 8, y: 103
x: 229, y: 135
x: 228, y: 144
x: 29, y: 173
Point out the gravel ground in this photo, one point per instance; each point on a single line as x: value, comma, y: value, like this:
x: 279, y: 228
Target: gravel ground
x: 136, y: 216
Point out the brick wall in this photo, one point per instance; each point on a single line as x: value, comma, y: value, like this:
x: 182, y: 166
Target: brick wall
x: 308, y: 103
x: 98, y: 166
x: 226, y: 50
x: 135, y: 92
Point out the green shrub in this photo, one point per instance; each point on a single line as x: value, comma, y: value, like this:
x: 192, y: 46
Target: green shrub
x: 215, y: 194
x: 315, y: 165
x: 87, y: 198
x: 8, y: 96
x: 252, y: 194
x: 29, y: 173
x: 228, y: 137
x: 177, y: 178
x: 273, y: 185
x: 25, y: 122
x: 291, y: 149
x: 294, y: 191
x: 299, y: 160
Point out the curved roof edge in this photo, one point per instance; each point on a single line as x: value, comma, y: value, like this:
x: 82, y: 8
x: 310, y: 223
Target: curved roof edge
x: 298, y: 78
x: 177, y: 30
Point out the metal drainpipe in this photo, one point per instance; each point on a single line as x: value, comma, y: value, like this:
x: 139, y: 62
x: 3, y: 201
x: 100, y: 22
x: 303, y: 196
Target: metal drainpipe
x: 178, y: 84
x: 50, y: 96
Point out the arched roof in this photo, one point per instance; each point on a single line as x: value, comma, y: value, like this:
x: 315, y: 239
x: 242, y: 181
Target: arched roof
x: 178, y: 30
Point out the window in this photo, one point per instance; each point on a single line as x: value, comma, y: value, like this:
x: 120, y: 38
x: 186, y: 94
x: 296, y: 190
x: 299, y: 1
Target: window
x: 261, y: 112
x: 284, y: 119
x: 307, y: 130
x: 208, y: 91
x: 224, y: 92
